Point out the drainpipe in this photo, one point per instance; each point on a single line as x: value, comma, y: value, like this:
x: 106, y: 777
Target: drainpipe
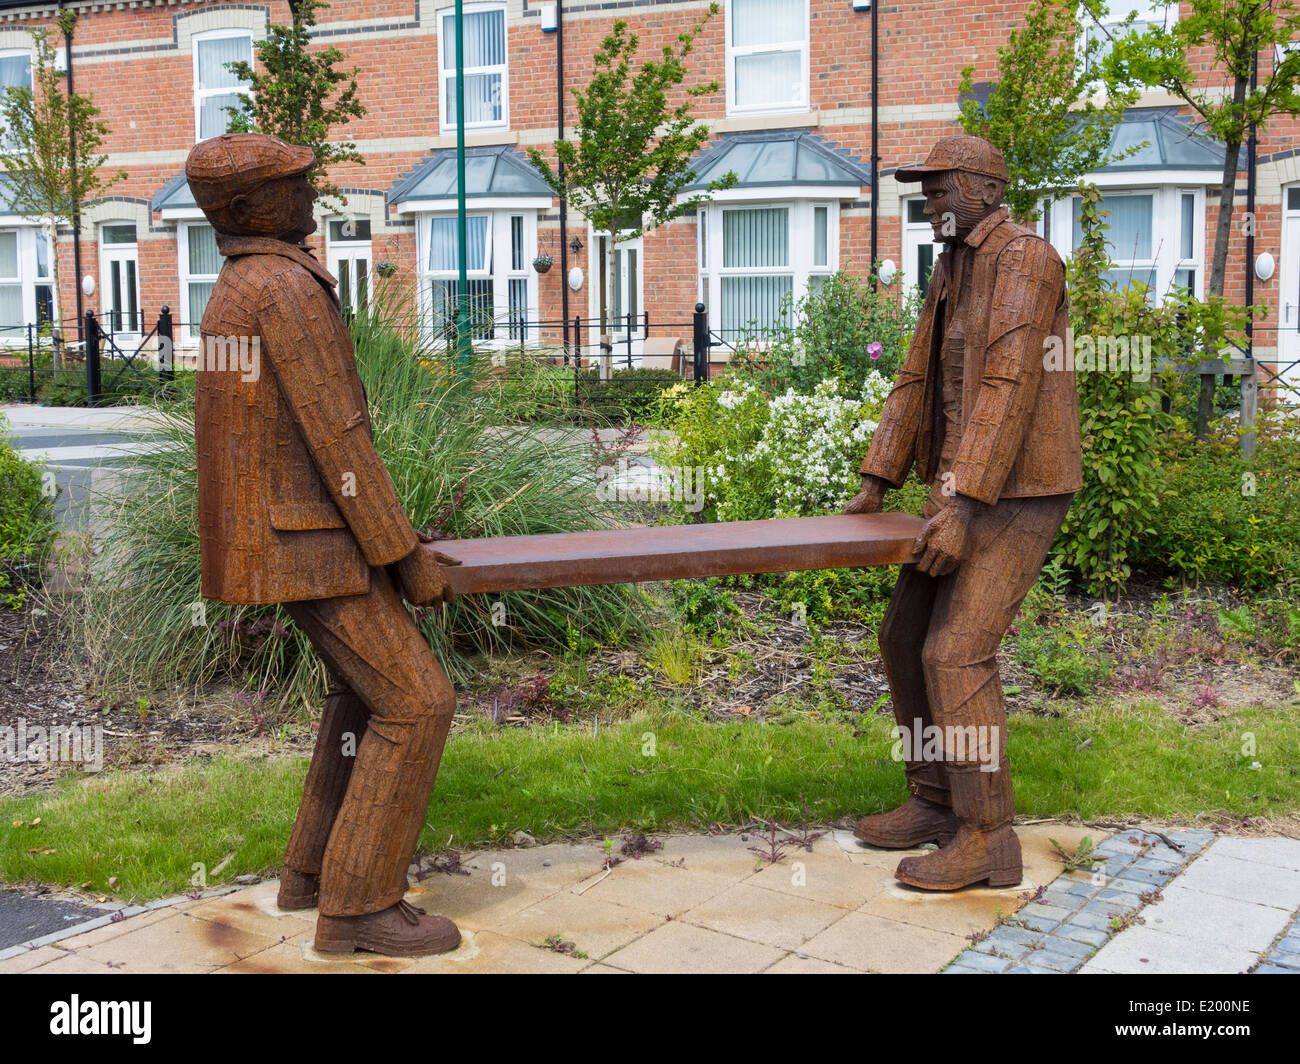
x: 76, y: 206
x: 875, y: 135
x: 564, y: 205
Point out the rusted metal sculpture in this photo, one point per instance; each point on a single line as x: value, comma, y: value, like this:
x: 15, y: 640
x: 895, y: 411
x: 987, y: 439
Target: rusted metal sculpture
x: 674, y: 552
x: 996, y: 435
x: 297, y: 507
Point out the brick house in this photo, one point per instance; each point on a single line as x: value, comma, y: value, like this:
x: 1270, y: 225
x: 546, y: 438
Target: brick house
x: 792, y: 118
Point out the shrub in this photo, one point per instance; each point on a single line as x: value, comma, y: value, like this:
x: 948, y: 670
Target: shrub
x: 528, y: 386
x: 1225, y: 517
x: 782, y: 456
x: 843, y: 330
x: 27, y: 525
x: 629, y: 394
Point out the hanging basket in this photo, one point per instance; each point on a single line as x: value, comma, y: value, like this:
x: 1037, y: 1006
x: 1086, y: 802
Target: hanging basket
x: 542, y: 263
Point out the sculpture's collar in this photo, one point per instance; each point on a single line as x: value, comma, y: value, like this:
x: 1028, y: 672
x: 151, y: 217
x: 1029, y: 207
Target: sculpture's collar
x: 231, y: 246
x: 978, y: 235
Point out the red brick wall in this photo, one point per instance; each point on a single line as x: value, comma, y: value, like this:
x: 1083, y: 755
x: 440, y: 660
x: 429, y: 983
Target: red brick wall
x: 146, y: 99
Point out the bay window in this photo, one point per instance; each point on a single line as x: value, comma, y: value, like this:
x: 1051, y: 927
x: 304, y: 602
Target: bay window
x: 215, y: 87
x: 26, y: 287
x: 1156, y: 236
x: 757, y: 260
x: 487, y: 79
x: 502, y: 287
x: 200, y: 262
x: 767, y: 55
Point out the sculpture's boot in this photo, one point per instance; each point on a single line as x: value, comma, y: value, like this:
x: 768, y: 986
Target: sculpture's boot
x: 342, y: 722
x: 298, y: 890
x: 985, y: 847
x: 401, y: 930
x: 924, y: 817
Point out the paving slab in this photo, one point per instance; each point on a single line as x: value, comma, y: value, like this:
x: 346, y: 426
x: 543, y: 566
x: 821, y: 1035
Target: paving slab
x: 772, y: 917
x: 678, y: 947
x: 880, y: 945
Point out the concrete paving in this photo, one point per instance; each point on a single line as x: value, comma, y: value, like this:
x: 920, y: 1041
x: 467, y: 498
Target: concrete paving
x: 81, y: 447
x: 699, y: 904
x: 1222, y: 915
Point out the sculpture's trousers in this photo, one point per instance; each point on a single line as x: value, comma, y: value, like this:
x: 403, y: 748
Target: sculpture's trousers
x: 382, y: 732
x: 939, y: 643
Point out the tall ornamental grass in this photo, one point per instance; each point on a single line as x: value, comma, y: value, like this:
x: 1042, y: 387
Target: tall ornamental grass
x: 461, y: 469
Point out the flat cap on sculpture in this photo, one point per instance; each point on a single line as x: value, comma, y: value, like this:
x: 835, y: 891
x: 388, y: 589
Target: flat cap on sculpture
x: 972, y: 154
x: 233, y: 164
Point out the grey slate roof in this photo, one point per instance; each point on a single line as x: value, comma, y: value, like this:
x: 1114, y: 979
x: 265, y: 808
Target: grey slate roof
x: 777, y: 157
x: 1172, y: 142
x: 175, y: 194
x: 499, y: 170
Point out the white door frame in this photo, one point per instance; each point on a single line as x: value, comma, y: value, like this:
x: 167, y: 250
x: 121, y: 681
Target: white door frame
x: 1288, y: 296
x: 595, y: 241
x: 121, y: 254
x: 350, y: 250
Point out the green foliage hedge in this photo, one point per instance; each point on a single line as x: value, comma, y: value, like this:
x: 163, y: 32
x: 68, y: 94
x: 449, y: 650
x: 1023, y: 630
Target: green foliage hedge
x: 27, y: 525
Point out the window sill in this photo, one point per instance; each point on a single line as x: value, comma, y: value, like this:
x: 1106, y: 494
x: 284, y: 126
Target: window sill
x: 479, y: 138
x: 747, y: 121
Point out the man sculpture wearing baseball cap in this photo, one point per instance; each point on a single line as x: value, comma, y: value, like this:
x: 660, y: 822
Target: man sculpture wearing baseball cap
x: 997, y: 438
x: 297, y: 507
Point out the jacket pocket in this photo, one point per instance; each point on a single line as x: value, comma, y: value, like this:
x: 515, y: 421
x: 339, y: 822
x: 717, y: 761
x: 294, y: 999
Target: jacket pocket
x: 305, y: 516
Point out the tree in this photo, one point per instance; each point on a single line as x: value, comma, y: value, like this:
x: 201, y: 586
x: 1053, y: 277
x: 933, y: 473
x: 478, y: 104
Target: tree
x: 1231, y: 33
x: 1040, y: 114
x: 630, y: 160
x: 49, y: 179
x: 291, y: 97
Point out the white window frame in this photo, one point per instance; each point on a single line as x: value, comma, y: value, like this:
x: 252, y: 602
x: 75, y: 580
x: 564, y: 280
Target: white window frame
x: 1150, y: 13
x: 804, y: 103
x: 28, y: 279
x: 202, y: 94
x: 799, y: 242
x: 351, y: 248
x: 1166, y: 232
x: 498, y: 267
x: 190, y: 334
x: 447, y: 18
x: 9, y: 53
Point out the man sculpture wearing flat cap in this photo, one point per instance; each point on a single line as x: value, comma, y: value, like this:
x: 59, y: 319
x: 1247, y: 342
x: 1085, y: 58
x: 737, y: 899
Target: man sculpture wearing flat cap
x: 297, y: 507
x: 997, y: 438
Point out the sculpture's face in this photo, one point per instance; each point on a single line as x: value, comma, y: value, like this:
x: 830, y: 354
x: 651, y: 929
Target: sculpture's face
x: 956, y: 202
x: 298, y: 197
x: 281, y: 208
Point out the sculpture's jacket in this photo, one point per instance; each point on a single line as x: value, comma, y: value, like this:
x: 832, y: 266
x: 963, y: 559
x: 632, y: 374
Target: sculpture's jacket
x: 294, y: 501
x: 1020, y: 422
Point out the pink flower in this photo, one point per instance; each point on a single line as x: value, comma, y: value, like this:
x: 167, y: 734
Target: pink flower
x: 875, y: 348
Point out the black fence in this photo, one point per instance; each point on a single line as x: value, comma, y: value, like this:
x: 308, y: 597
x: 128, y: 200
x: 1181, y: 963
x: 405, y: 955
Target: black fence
x: 79, y: 362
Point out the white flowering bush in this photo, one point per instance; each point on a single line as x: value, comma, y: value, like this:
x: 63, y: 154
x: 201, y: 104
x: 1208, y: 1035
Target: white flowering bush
x: 812, y: 446
x: 764, y: 456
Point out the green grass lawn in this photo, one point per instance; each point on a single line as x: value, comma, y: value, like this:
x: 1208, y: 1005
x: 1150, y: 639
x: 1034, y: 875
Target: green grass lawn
x: 148, y: 829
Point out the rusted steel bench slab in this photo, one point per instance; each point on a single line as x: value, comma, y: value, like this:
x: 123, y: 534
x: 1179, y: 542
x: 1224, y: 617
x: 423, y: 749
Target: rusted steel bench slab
x: 671, y: 552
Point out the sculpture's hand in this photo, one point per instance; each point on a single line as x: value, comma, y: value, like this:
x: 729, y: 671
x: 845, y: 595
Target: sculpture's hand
x: 421, y: 579
x: 869, y: 499
x: 944, y: 542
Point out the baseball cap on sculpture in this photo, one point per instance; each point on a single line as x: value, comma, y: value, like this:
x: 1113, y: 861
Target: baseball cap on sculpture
x: 234, y: 164
x: 972, y: 154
